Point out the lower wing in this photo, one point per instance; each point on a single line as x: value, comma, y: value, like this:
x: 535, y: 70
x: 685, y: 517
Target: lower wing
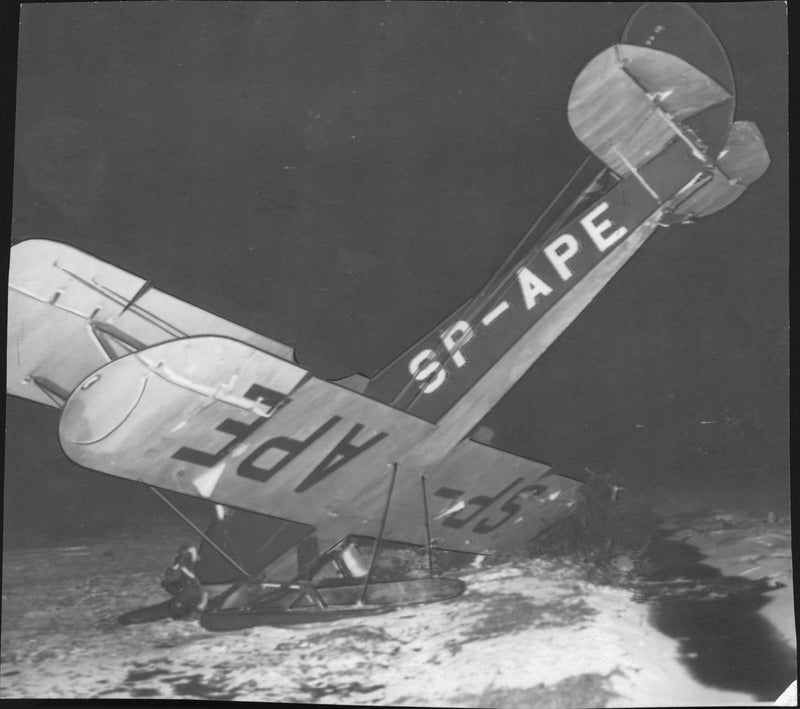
x: 220, y: 420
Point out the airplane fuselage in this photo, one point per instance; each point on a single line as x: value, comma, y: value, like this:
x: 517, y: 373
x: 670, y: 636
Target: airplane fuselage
x: 455, y: 375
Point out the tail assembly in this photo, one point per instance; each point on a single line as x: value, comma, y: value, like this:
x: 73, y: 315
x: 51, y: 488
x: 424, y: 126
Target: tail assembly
x: 664, y: 129
x: 742, y: 161
x: 629, y: 103
x: 691, y: 96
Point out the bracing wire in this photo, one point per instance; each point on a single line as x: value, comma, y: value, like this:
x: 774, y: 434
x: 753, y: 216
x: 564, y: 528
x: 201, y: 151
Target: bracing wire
x: 504, y: 273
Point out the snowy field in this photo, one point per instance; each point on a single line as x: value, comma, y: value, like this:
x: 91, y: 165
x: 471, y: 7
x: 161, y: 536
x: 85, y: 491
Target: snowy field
x: 525, y: 633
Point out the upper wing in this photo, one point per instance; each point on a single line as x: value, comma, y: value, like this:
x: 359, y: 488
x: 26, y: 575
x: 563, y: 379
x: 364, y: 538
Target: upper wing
x: 215, y: 418
x: 70, y: 313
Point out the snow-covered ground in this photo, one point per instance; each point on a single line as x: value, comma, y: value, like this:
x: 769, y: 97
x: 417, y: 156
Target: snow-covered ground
x: 525, y: 633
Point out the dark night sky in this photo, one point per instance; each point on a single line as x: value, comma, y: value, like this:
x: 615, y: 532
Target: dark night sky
x: 342, y: 176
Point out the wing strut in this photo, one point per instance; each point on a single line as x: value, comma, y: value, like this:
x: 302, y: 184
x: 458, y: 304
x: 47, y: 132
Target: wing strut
x: 205, y: 537
x: 107, y: 334
x: 379, y: 537
x: 146, y: 286
x: 427, y: 526
x: 306, y: 600
x: 57, y: 393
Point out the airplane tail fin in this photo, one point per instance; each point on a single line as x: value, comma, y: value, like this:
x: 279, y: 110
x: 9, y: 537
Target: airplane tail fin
x: 742, y: 161
x: 630, y: 102
x: 670, y: 80
x: 663, y: 126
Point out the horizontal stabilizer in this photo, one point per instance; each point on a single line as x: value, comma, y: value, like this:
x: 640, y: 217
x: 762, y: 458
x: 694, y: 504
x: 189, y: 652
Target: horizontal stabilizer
x: 742, y: 161
x: 627, y: 104
x: 676, y: 28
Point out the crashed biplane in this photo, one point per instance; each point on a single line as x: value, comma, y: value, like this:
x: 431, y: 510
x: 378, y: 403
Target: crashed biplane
x: 155, y: 390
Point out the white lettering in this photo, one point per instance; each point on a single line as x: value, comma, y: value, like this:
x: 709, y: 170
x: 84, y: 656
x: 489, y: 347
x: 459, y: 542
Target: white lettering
x: 495, y: 313
x: 423, y: 367
x: 532, y: 286
x: 559, y: 251
x: 454, y: 338
x: 596, y: 231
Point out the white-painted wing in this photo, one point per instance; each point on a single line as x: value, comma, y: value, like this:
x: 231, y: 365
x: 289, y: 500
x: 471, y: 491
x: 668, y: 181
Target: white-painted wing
x: 217, y: 419
x: 67, y: 316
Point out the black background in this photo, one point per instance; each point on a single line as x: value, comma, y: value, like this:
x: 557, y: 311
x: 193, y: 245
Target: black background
x: 342, y: 176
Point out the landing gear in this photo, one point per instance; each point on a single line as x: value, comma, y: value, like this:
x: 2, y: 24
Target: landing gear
x: 334, y: 584
x: 312, y: 601
x: 308, y: 601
